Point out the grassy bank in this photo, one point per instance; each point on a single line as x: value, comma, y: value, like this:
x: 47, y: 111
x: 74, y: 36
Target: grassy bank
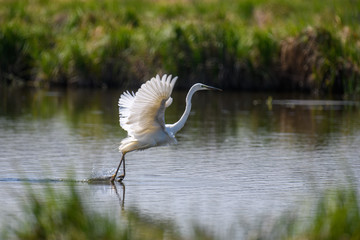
x: 249, y: 44
x: 54, y: 215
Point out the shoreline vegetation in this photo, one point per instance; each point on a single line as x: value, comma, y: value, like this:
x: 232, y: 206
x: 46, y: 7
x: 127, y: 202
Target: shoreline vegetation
x: 51, y: 215
x: 276, y: 45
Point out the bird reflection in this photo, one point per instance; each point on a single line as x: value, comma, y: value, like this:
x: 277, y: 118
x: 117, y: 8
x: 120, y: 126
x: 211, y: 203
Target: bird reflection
x: 121, y: 198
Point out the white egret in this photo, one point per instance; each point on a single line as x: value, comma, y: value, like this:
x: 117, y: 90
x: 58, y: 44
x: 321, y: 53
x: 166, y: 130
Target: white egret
x: 142, y: 116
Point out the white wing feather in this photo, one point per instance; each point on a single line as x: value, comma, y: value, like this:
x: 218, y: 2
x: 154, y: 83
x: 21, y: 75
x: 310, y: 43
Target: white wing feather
x: 144, y: 111
x: 125, y: 102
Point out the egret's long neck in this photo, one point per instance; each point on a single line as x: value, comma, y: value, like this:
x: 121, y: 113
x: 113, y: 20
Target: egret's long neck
x: 180, y: 124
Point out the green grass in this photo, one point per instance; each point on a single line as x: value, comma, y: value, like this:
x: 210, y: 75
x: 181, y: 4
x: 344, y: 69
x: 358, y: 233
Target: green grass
x: 54, y: 215
x: 50, y: 214
x: 337, y: 216
x: 233, y: 44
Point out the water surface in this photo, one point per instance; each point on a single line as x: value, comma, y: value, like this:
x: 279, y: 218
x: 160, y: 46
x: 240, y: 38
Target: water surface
x: 240, y: 159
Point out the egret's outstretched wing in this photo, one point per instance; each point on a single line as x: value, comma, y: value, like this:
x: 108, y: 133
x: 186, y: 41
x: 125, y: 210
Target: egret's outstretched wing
x: 125, y: 102
x: 143, y: 112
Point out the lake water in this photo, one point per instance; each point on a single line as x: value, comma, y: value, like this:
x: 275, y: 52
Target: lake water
x: 242, y: 158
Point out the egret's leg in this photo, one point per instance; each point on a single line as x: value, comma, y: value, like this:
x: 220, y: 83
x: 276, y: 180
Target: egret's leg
x: 112, y: 179
x: 122, y: 176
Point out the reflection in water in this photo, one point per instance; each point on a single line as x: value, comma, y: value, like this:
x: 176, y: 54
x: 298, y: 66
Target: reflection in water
x: 122, y: 197
x: 240, y: 156
x: 91, y: 112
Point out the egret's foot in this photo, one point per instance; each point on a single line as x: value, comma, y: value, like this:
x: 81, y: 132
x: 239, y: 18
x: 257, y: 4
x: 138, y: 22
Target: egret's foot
x: 112, y: 179
x: 120, y: 178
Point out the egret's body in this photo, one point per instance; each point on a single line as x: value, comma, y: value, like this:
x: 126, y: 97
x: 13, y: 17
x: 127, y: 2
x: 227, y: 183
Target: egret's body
x: 142, y: 116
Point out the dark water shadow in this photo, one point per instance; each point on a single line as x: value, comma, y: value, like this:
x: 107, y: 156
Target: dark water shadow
x: 36, y: 180
x: 91, y: 181
x: 98, y: 180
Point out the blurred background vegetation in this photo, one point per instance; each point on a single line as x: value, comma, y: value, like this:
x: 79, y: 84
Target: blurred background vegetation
x: 63, y: 215
x: 311, y: 46
x: 281, y: 45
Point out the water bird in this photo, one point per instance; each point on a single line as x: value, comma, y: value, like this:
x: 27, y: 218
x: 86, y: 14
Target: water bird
x: 142, y: 116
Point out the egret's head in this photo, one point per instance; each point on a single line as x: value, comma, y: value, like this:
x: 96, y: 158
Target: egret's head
x: 200, y: 86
